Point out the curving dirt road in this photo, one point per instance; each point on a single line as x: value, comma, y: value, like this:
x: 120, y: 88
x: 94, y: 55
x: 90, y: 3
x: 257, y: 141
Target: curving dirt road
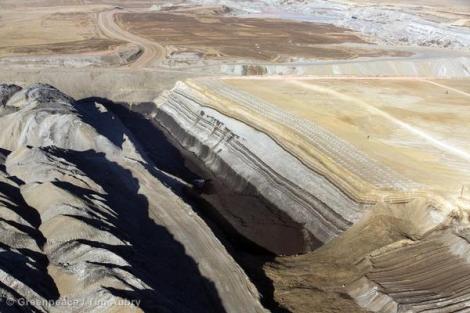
x: 151, y: 50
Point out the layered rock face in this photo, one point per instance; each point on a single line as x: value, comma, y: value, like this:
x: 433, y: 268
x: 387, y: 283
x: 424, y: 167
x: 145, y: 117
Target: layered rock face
x: 263, y: 191
x: 89, y: 224
x: 372, y: 174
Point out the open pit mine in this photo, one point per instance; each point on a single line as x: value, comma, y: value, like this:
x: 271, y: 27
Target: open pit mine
x: 221, y: 156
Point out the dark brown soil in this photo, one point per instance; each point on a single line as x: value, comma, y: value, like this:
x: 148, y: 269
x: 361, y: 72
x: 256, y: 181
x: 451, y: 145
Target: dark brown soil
x: 231, y: 37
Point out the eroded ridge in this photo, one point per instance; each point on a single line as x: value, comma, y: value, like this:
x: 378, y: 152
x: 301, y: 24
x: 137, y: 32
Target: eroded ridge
x: 23, y: 265
x: 115, y: 238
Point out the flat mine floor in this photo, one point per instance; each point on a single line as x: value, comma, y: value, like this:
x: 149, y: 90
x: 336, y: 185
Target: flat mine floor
x: 216, y: 37
x: 393, y: 133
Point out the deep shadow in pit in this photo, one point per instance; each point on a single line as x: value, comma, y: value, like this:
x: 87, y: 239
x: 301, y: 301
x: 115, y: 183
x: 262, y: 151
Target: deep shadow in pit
x: 250, y: 256
x: 166, y: 157
x: 154, y: 256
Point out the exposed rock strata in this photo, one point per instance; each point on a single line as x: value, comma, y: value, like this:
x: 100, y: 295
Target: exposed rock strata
x: 109, y: 230
x: 268, y: 195
x: 390, y: 240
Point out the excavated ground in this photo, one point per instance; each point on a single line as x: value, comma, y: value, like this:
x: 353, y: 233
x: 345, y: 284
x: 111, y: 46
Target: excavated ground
x: 112, y: 228
x: 395, y: 148
x: 215, y: 37
x: 346, y: 194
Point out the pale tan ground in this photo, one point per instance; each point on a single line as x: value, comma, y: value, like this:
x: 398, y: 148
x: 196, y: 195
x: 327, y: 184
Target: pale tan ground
x: 316, y: 282
x: 76, y: 28
x: 55, y: 30
x: 54, y: 27
x: 414, y: 127
x: 418, y: 128
x: 55, y: 3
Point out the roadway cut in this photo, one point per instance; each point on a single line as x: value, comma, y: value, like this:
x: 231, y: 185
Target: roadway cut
x: 150, y: 50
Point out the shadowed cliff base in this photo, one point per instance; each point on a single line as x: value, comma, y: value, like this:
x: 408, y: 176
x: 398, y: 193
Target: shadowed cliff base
x: 110, y: 228
x: 136, y: 117
x: 153, y: 255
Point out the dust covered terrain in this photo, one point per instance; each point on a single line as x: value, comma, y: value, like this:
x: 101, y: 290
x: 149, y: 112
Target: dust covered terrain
x: 224, y: 156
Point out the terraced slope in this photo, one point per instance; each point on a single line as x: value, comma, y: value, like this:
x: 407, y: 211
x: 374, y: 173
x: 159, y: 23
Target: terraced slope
x: 314, y: 159
x: 249, y: 169
x: 353, y: 168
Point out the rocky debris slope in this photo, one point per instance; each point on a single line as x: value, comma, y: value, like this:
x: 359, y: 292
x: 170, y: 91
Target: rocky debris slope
x: 94, y: 223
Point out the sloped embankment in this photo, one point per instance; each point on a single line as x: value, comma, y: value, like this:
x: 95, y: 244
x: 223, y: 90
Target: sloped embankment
x: 262, y: 190
x: 384, y: 240
x: 94, y: 223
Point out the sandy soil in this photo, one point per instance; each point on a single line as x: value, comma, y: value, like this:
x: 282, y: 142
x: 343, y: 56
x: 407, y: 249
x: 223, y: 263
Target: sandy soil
x: 316, y: 282
x: 56, y: 3
x: 60, y: 30
x: 407, y: 124
x: 151, y: 50
x: 415, y: 127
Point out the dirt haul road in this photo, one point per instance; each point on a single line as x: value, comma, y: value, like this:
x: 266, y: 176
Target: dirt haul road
x: 151, y: 51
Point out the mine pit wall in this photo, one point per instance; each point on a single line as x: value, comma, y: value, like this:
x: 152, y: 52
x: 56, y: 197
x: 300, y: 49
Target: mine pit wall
x: 267, y: 195
x: 111, y: 203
